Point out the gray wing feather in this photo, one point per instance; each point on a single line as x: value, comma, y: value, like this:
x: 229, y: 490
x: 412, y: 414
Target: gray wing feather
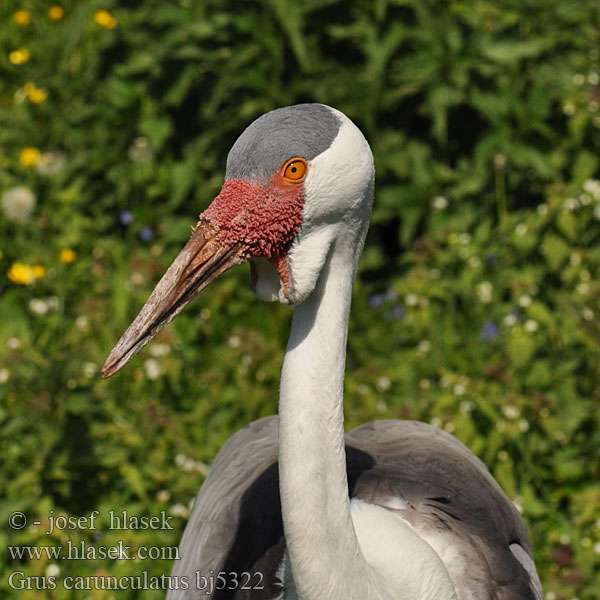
x: 235, y: 525
x: 451, y: 498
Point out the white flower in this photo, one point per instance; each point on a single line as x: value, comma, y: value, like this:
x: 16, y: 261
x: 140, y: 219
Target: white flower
x: 464, y: 238
x: 89, y: 369
x: 571, y: 204
x: 153, y: 368
x: 593, y: 78
x: 510, y: 320
x: 579, y: 79
x: 51, y: 163
x: 459, y: 389
x: 4, y: 375
x: 484, y: 292
x: 583, y: 288
x: 597, y: 548
x: 424, y: 384
x: 466, y: 407
x: 436, y: 422
x: 592, y: 187
x: 38, y: 306
x: 18, y: 204
x: 234, y: 341
x: 411, y: 300
x: 564, y: 539
x: 474, y: 262
x: 136, y: 278
x: 521, y: 229
x: 439, y: 203
x: 81, y: 322
x: 140, y: 150
x: 531, y: 326
x: 423, y: 346
x: 587, y: 314
x: 510, y: 412
x: 163, y: 495
x: 569, y: 108
x: 383, y: 384
x: 189, y: 465
x: 524, y: 300
x: 13, y: 343
x: 523, y: 425
x: 53, y: 303
x: 542, y: 209
x: 52, y: 570
x: 180, y: 510
x: 158, y: 350
x: 597, y: 212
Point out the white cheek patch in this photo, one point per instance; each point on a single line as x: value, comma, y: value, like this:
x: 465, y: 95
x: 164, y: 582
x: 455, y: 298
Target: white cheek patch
x: 264, y: 280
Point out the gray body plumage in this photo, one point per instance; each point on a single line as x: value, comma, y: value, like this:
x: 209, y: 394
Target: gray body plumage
x: 441, y: 486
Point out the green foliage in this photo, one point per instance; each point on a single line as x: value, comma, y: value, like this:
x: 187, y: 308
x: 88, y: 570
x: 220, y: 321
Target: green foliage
x: 477, y: 307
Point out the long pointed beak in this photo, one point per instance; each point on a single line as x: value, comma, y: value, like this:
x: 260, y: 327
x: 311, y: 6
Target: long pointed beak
x: 200, y: 261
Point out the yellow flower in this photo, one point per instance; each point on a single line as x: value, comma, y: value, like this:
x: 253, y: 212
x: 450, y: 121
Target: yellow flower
x: 39, y: 271
x: 21, y: 18
x: 35, y: 94
x: 67, y: 256
x: 29, y: 156
x: 21, y: 273
x: 56, y: 13
x: 19, y: 57
x: 105, y: 19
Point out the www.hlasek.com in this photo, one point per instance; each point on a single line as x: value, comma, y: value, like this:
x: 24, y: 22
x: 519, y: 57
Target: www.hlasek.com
x: 206, y: 583
x: 83, y: 551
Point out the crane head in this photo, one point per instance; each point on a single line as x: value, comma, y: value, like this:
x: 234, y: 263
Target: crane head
x: 298, y: 180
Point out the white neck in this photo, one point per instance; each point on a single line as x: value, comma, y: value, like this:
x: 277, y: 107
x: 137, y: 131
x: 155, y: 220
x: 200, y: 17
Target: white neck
x: 324, y: 553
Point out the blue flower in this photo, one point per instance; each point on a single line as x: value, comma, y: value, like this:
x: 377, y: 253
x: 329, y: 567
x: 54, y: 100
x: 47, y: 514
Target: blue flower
x: 376, y: 300
x: 126, y: 217
x: 489, y: 331
x: 146, y: 233
x: 396, y: 313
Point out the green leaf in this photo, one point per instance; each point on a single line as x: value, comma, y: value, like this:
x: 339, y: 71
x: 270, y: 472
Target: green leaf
x: 521, y: 348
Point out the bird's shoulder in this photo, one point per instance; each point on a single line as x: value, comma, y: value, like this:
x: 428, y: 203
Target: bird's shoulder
x: 447, y: 494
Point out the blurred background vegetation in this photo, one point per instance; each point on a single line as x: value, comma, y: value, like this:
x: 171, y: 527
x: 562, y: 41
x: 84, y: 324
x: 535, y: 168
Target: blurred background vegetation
x: 478, y: 302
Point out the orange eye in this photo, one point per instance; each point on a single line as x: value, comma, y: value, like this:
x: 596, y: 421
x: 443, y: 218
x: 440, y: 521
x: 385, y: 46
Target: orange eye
x: 294, y: 170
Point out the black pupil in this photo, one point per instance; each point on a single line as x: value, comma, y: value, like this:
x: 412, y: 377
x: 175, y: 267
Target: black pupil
x: 294, y: 169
